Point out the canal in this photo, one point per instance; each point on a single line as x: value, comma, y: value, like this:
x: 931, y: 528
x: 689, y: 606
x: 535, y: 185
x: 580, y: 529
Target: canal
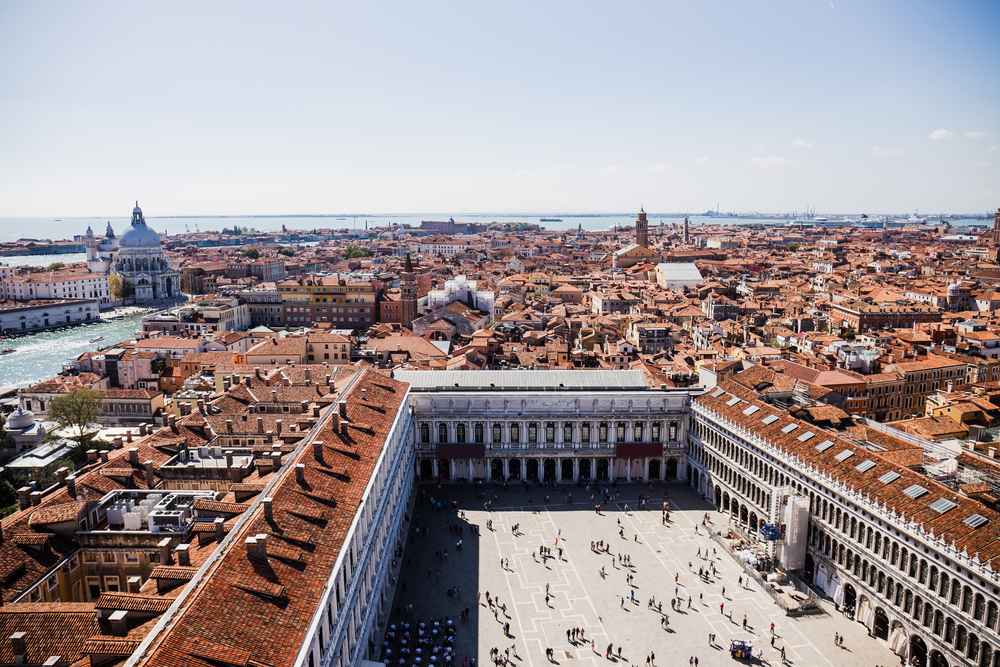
x: 42, y: 355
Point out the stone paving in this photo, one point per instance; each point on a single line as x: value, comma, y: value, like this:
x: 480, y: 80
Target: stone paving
x: 582, y: 598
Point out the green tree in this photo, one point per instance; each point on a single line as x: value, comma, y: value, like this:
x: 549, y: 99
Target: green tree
x: 252, y: 253
x: 353, y: 251
x: 77, y: 410
x: 120, y: 288
x: 287, y: 251
x: 55, y: 266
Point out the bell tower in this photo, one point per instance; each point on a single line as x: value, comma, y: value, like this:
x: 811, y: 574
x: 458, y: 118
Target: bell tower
x: 642, y: 229
x: 408, y: 294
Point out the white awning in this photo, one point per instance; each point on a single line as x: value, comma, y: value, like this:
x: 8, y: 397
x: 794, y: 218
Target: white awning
x: 897, y: 641
x: 838, y: 595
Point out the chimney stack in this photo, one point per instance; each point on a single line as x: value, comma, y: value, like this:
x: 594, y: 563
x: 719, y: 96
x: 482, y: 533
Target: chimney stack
x: 19, y: 647
x: 300, y: 473
x: 229, y: 426
x: 268, y: 508
x: 36, y: 498
x: 71, y: 486
x: 119, y: 623
x: 62, y: 474
x: 183, y: 554
x: 342, y: 408
x: 260, y: 424
x: 276, y: 458
x: 133, y: 456
x: 318, y: 450
x: 91, y: 456
x: 148, y: 470
x: 220, y: 527
x: 278, y: 424
x: 128, y: 435
x: 309, y: 376
x: 164, y: 547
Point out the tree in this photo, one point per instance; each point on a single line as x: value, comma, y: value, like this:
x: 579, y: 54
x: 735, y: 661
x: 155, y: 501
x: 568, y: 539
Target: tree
x: 286, y: 251
x: 77, y: 409
x: 252, y: 253
x: 120, y: 288
x: 55, y: 266
x: 353, y: 251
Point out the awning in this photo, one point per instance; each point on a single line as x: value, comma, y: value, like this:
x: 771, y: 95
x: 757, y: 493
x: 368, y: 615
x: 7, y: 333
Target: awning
x: 838, y: 595
x: 638, y: 450
x: 469, y: 451
x: 864, y: 613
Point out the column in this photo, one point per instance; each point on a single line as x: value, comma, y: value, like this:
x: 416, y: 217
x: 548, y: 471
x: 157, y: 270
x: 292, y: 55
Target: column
x: 451, y: 469
x: 558, y: 470
x: 559, y: 434
x: 576, y: 469
x: 645, y: 470
x: 505, y: 470
x: 524, y: 469
x: 611, y: 469
x: 471, y: 470
x: 628, y: 470
x: 434, y: 468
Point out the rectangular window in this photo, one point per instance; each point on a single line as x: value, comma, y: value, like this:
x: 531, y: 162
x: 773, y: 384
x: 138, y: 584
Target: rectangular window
x: 111, y: 583
x: 656, y: 431
x: 585, y: 433
x: 602, y: 432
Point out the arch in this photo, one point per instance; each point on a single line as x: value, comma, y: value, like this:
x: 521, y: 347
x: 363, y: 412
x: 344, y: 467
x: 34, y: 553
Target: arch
x: 514, y: 471
x: 585, y: 469
x: 744, y: 517
x: 603, y: 470
x: 880, y: 624
x: 918, y: 652
x: 850, y: 599
x: 753, y: 521
x: 654, y: 470
x: 567, y: 469
x: 496, y: 470
x: 549, y: 470
x: 671, y: 473
x: 444, y: 469
x: 809, y: 567
x: 426, y: 469
x: 718, y: 498
x: 725, y: 501
x: 532, y: 470
x: 937, y: 659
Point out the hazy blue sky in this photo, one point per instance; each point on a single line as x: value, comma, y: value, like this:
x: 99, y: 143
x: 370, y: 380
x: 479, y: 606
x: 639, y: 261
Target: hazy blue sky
x: 212, y: 107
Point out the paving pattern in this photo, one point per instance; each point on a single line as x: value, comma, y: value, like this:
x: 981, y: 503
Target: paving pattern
x: 581, y: 597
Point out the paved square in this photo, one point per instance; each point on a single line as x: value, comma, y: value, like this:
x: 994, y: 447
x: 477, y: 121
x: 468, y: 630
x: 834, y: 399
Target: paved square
x: 563, y: 518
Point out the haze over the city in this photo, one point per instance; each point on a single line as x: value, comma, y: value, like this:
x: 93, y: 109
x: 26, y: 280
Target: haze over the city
x: 256, y: 107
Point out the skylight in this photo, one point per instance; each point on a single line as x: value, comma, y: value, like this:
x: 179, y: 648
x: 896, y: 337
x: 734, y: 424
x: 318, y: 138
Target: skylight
x: 889, y: 477
x: 718, y: 392
x: 806, y: 436
x: 750, y: 409
x: 769, y: 419
x: 914, y: 491
x: 823, y: 446
x: 942, y: 505
x: 865, y: 465
x: 788, y: 428
x: 844, y: 455
x: 975, y: 520
x: 733, y: 401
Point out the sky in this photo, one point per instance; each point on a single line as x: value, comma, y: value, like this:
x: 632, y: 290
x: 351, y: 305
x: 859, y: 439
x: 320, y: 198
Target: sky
x: 294, y: 107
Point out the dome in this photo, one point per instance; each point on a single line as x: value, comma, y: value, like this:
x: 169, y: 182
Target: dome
x: 20, y: 419
x: 140, y: 236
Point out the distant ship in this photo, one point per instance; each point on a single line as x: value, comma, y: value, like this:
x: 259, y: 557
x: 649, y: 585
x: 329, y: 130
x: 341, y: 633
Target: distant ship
x: 550, y: 220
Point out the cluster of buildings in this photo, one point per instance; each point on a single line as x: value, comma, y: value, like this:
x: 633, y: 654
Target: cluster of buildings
x: 835, y: 390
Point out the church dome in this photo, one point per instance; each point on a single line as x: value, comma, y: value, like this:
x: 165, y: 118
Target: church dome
x: 140, y: 236
x: 20, y: 419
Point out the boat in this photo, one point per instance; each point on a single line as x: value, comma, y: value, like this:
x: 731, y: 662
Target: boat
x: 94, y: 340
x: 550, y: 220
x: 8, y: 350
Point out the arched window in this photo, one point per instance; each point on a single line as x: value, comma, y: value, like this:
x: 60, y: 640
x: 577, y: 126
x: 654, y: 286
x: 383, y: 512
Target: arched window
x: 425, y: 434
x: 460, y: 433
x: 532, y: 433
x: 515, y: 432
x: 442, y: 433
x: 497, y: 434
x: 477, y: 433
x: 550, y: 432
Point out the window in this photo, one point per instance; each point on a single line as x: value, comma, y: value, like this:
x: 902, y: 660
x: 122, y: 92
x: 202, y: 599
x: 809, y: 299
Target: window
x: 975, y: 520
x: 93, y: 587
x: 460, y: 433
x: 889, y: 477
x: 111, y: 583
x: 733, y: 401
x: 602, y: 432
x: 585, y: 432
x: 788, y: 428
x: 108, y: 557
x: 656, y: 431
x: 620, y: 431
x: 442, y: 433
x: 673, y: 431
x: 638, y: 431
x: 550, y: 432
x: 844, y: 455
x: 568, y: 432
x: 767, y: 420
x: 497, y: 434
x: 823, y: 446
x: 131, y: 557
x: 750, y: 409
x: 515, y: 433
x: 942, y: 505
x: 865, y: 465
x: 806, y: 436
x: 425, y: 434
x: 532, y: 433
x: 477, y: 433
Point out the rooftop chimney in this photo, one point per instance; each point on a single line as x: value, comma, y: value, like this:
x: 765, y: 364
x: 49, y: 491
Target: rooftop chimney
x: 260, y: 424
x: 342, y: 408
x: 19, y: 647
x: 164, y: 547
x: 268, y: 508
x: 229, y: 426
x: 300, y: 473
x: 62, y: 474
x: 148, y: 469
x: 276, y: 458
x: 36, y: 498
x: 183, y: 554
x: 220, y: 527
x: 71, y: 486
x: 119, y: 623
x: 54, y: 661
x: 133, y: 584
x: 318, y: 450
x: 278, y: 424
x: 309, y: 376
x: 133, y: 456
x: 91, y: 455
